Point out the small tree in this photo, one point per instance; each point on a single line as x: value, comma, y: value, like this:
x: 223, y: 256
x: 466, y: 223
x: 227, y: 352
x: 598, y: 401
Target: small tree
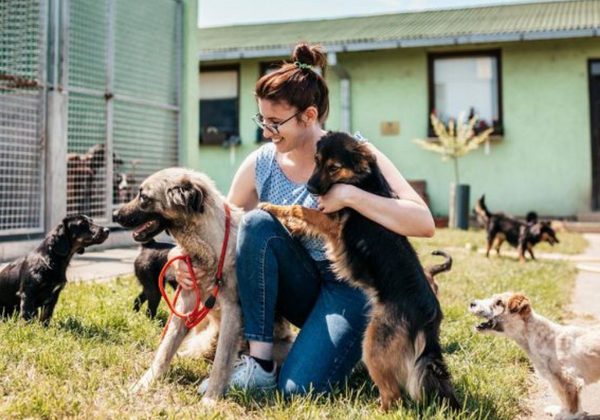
x: 455, y: 141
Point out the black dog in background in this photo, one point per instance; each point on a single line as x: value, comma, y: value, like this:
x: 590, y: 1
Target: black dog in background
x: 148, y: 265
x: 524, y: 236
x: 33, y: 283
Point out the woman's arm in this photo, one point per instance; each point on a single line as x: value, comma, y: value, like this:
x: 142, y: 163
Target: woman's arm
x: 243, y: 187
x: 408, y: 215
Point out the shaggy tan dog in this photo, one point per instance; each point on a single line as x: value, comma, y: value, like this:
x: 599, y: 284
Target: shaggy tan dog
x: 188, y: 205
x: 566, y: 356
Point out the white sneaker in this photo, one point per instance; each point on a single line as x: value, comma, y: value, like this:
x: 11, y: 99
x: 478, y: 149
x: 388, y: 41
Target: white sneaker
x: 247, y: 374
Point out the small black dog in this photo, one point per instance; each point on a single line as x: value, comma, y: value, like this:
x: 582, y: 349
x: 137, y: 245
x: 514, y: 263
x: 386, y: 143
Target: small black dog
x: 522, y: 235
x: 35, y: 281
x: 402, y: 343
x: 148, y: 265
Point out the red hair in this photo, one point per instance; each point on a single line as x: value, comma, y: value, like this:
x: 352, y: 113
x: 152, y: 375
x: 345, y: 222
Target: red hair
x: 298, y: 84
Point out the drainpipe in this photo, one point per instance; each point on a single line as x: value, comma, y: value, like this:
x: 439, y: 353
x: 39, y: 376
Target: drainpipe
x: 345, y: 102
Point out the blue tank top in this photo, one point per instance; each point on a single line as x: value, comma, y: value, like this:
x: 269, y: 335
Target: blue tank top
x: 274, y: 187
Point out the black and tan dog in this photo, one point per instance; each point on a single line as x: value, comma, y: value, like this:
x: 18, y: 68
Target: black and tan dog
x: 402, y: 345
x: 33, y: 283
x: 524, y: 236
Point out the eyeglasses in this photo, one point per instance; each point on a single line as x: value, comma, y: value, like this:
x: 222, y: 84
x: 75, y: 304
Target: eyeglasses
x: 273, y: 128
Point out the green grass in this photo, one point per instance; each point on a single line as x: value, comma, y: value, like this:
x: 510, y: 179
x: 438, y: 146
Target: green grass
x: 96, y: 347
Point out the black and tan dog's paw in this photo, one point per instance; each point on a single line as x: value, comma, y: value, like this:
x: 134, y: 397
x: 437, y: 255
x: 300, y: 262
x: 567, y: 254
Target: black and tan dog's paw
x: 279, y: 212
x: 296, y: 227
x: 288, y: 216
x: 268, y: 207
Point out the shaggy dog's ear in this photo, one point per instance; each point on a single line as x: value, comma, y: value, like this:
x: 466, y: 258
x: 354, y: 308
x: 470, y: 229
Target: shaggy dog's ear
x: 60, y: 243
x: 519, y: 303
x: 187, y: 195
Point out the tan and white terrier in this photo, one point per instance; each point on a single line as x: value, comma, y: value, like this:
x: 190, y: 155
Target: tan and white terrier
x: 566, y: 356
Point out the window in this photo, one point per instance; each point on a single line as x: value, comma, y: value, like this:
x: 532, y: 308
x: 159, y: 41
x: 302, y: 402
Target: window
x: 466, y: 82
x: 219, y: 105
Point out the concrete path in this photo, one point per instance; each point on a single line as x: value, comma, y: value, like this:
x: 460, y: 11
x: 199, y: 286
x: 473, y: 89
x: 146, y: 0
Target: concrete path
x: 102, y: 265
x: 585, y: 306
x: 98, y: 265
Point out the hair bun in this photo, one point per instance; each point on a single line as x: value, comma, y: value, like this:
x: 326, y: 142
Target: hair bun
x: 310, y: 55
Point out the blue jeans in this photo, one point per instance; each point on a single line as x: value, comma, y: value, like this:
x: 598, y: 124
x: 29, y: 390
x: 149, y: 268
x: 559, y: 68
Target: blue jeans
x: 275, y: 271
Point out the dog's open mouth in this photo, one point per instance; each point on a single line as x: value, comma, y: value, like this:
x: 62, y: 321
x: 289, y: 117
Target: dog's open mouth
x: 147, y: 230
x: 486, y: 326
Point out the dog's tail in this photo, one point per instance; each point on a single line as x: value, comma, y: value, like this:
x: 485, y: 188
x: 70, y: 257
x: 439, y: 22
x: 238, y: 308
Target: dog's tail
x: 440, y: 268
x: 483, y: 214
x: 430, y: 377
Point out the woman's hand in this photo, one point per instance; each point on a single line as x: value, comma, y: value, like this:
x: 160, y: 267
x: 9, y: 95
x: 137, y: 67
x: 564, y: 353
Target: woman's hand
x: 182, y: 274
x: 336, y: 198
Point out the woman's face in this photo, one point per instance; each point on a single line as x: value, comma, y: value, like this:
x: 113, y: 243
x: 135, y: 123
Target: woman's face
x: 290, y: 133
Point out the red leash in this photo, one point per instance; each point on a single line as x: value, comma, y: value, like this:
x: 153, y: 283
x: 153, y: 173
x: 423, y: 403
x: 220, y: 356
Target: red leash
x: 197, y: 314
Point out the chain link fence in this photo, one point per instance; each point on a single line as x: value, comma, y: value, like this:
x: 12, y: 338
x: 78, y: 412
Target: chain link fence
x: 22, y: 115
x: 124, y: 99
x: 118, y: 66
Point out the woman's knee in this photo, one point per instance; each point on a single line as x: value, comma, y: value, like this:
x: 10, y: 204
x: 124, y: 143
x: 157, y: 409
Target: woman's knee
x: 288, y: 387
x: 255, y: 233
x: 256, y: 226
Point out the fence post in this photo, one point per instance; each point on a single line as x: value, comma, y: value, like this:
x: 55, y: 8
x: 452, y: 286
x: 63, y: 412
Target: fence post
x: 56, y: 123
x: 56, y: 159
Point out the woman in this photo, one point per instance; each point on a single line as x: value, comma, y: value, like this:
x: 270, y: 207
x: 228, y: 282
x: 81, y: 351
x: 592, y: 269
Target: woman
x: 276, y: 271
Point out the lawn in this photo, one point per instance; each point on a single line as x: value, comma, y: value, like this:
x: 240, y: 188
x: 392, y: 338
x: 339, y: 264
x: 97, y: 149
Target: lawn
x: 96, y: 347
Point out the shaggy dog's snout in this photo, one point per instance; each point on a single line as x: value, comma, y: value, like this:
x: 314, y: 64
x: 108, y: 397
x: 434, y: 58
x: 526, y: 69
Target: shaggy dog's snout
x: 123, y: 216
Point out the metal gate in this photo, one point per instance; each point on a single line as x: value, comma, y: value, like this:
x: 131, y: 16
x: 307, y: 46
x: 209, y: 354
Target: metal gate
x: 122, y: 60
x: 115, y: 65
x: 22, y: 115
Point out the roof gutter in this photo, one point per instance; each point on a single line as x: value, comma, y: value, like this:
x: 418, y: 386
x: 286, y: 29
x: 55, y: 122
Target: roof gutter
x: 345, y: 99
x: 236, y: 54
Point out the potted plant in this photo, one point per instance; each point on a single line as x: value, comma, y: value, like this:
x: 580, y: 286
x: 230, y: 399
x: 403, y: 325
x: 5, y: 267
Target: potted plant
x: 452, y: 142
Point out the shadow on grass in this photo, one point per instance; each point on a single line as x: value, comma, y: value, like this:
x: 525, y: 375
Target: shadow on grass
x: 91, y: 332
x: 360, y: 393
x: 184, y: 375
x: 452, y: 347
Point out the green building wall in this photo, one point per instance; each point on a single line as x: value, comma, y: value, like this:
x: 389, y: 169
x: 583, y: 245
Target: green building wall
x: 541, y: 163
x: 189, y: 153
